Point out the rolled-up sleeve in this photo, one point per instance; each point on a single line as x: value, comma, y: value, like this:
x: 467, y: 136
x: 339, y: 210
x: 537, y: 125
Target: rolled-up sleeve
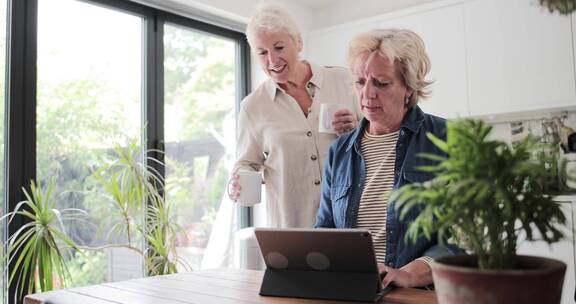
x: 249, y: 148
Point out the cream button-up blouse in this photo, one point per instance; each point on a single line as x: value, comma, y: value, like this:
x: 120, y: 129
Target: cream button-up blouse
x: 277, y: 138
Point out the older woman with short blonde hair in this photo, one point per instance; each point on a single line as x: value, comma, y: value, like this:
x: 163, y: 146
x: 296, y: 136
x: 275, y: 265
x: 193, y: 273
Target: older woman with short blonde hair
x: 389, y: 68
x: 278, y: 121
x: 407, y: 50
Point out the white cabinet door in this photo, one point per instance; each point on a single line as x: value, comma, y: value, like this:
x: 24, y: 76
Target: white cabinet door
x: 443, y: 35
x: 329, y: 47
x: 519, y: 57
x: 563, y: 251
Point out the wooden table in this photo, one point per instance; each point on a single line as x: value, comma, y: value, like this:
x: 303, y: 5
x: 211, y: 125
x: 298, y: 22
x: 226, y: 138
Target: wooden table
x: 219, y: 286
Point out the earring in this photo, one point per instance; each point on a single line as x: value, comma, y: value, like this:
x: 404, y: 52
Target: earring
x: 407, y: 100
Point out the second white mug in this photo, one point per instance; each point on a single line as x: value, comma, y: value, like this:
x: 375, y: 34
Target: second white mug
x: 327, y: 111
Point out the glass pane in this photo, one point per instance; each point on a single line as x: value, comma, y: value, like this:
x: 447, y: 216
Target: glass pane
x: 200, y: 97
x: 3, y: 18
x: 89, y: 105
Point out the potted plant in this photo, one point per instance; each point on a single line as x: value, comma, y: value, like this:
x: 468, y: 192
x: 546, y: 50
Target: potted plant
x: 485, y: 194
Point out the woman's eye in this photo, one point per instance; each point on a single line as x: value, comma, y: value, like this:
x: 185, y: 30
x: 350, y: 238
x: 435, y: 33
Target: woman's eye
x: 279, y: 48
x: 261, y: 53
x: 360, y: 82
x: 380, y: 84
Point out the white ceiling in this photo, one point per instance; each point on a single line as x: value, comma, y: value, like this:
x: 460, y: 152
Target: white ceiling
x: 315, y: 4
x: 392, y: 4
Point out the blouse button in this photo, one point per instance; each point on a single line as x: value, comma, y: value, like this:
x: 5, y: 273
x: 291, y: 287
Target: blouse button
x: 317, y: 182
x: 313, y: 157
x: 309, y: 134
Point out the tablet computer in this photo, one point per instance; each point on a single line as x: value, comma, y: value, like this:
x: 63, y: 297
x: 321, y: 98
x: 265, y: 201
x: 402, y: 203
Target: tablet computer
x: 319, y: 263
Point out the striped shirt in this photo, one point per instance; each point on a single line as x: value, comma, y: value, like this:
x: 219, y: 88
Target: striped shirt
x: 379, y: 153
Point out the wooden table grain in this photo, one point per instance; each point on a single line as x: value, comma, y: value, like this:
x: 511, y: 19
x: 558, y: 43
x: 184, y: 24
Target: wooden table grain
x: 219, y: 286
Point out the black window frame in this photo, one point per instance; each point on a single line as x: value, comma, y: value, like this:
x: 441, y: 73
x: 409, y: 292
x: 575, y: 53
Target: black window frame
x: 21, y: 79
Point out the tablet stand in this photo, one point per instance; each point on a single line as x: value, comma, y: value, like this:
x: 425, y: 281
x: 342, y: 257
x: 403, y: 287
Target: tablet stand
x: 345, y: 286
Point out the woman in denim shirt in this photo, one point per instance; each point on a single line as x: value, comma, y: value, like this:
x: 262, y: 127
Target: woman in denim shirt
x: 362, y: 167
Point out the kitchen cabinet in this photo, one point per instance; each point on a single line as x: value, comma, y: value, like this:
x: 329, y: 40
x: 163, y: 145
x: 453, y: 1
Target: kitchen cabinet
x: 442, y: 30
x: 489, y: 57
x: 519, y: 57
x: 330, y: 46
x: 563, y: 250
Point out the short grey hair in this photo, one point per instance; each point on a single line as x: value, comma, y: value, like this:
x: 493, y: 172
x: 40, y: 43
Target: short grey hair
x: 272, y: 17
x: 400, y: 46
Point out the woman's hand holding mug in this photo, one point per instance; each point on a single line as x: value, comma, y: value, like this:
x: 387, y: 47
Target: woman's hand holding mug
x: 245, y: 187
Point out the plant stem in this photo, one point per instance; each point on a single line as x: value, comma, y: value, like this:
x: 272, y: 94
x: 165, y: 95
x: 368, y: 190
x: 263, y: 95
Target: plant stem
x: 127, y: 246
x: 127, y: 220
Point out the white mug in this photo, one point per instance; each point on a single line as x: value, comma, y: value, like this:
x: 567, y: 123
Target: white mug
x: 327, y: 111
x: 250, y: 188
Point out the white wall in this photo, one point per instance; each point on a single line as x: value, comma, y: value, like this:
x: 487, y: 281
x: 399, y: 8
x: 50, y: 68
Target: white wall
x: 344, y: 11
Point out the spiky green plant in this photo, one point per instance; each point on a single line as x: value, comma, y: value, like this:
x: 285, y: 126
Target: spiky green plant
x: 131, y: 184
x: 484, y: 194
x: 162, y: 257
x: 36, y: 248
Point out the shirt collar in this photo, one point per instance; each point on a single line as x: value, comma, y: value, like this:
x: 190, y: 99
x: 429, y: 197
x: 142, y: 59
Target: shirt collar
x: 412, y: 121
x: 317, y: 80
x: 271, y: 88
x: 317, y: 74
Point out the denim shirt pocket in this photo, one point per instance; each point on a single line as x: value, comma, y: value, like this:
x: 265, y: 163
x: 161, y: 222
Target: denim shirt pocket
x: 339, y: 196
x: 411, y: 177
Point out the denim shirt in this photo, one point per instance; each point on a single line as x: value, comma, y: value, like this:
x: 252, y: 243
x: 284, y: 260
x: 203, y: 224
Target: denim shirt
x: 345, y: 173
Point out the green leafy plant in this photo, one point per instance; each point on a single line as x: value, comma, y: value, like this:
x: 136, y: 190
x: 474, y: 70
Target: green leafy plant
x: 484, y: 194
x: 131, y: 184
x: 161, y: 255
x: 36, y: 249
x: 564, y: 7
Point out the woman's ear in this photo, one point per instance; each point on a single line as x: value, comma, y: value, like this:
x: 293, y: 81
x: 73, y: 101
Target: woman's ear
x: 407, y: 96
x: 299, y: 44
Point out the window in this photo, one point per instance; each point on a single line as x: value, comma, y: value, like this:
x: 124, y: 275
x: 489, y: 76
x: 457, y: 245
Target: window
x: 90, y: 78
x: 199, y: 113
x: 88, y: 102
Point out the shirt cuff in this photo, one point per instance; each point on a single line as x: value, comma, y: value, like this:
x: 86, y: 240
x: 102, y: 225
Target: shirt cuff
x: 425, y: 259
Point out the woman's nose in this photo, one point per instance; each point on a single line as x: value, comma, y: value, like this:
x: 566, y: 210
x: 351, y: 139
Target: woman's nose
x: 369, y: 91
x: 272, y: 58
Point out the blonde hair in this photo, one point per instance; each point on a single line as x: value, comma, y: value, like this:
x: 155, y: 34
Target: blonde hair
x: 400, y: 46
x: 272, y: 17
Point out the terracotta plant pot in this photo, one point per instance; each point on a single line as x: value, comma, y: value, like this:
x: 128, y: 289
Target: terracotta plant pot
x: 537, y: 280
